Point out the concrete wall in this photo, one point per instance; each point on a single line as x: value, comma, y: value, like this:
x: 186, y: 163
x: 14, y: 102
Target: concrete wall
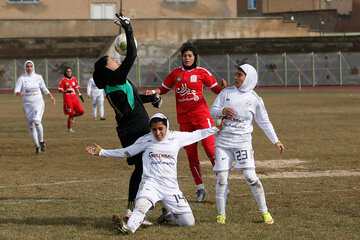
x: 80, y: 9
x: 157, y: 29
x: 272, y: 6
x: 157, y: 37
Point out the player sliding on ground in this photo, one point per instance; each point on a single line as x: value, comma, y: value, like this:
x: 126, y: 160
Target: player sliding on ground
x: 159, y: 179
x: 239, y: 105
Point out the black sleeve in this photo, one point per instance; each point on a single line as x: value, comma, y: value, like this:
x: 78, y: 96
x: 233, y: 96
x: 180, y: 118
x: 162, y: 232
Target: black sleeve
x: 147, y: 98
x: 128, y: 62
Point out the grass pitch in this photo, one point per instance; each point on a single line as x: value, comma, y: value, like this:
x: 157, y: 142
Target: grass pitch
x: 312, y: 190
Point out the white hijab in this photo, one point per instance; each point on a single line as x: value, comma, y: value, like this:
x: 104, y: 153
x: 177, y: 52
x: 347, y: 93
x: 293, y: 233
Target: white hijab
x: 251, y: 78
x: 33, y: 72
x: 162, y: 116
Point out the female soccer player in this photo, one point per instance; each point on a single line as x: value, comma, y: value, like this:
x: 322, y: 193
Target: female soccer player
x: 72, y: 107
x: 29, y: 87
x: 192, y: 110
x: 97, y: 98
x: 159, y: 179
x: 239, y: 105
x: 131, y: 117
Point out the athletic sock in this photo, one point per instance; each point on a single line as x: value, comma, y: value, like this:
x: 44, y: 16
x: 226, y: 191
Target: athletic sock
x: 34, y: 136
x: 200, y: 186
x: 131, y: 205
x: 40, y: 132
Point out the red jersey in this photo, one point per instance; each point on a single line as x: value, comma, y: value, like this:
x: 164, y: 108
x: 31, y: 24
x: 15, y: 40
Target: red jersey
x: 68, y: 84
x: 190, y: 103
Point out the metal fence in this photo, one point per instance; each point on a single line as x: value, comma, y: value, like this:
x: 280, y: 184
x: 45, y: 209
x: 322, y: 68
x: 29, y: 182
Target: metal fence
x: 312, y: 69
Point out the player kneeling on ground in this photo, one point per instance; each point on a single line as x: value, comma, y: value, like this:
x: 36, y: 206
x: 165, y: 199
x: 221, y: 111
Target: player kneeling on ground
x: 159, y: 179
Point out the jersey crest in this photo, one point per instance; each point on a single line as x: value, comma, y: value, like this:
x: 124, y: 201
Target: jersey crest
x: 193, y: 78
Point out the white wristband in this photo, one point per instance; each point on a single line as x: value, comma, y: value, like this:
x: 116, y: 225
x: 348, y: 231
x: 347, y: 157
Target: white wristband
x: 153, y: 91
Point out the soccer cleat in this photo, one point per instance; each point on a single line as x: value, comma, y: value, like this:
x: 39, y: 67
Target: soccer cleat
x: 102, y: 118
x: 70, y: 130
x: 119, y: 225
x: 94, y: 118
x: 221, y: 219
x: 163, y: 216
x: 42, y: 146
x: 37, y: 150
x: 267, y: 218
x: 200, y: 195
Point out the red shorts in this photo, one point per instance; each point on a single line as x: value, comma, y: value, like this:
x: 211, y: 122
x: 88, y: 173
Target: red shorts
x: 72, y: 105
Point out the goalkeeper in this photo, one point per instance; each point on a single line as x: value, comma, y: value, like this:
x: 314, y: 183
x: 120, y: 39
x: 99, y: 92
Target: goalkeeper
x: 239, y: 105
x: 131, y: 117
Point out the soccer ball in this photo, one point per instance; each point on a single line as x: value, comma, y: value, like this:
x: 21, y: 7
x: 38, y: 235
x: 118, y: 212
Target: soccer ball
x: 120, y: 44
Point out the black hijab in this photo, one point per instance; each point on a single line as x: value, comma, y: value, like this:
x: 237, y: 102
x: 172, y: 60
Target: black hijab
x: 104, y: 76
x: 189, y: 47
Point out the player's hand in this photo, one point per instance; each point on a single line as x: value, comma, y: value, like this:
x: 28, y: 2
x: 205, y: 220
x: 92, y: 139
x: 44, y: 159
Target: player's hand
x: 52, y: 100
x: 93, y: 150
x: 229, y: 111
x: 124, y: 21
x: 219, y: 123
x: 149, y: 92
x: 20, y: 93
x: 223, y: 84
x: 280, y: 146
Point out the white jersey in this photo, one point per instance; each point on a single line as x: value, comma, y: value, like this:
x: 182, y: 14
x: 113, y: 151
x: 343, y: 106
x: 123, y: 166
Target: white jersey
x: 160, y: 157
x: 31, y: 85
x: 92, y: 89
x: 248, y: 106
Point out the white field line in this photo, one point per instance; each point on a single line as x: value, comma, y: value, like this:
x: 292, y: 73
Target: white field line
x: 58, y: 183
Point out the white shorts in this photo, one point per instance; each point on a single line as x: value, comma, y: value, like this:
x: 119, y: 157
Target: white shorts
x: 244, y: 159
x: 172, y: 199
x: 34, y: 111
x: 97, y: 97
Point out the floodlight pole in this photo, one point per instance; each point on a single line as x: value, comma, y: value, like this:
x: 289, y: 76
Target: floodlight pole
x: 121, y: 12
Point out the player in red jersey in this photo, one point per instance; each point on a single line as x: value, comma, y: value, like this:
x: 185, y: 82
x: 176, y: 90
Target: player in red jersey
x: 72, y: 107
x: 192, y: 110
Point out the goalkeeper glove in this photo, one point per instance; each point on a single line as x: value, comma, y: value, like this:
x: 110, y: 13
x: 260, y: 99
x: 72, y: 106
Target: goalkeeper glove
x: 124, y: 21
x: 81, y: 97
x: 157, y: 101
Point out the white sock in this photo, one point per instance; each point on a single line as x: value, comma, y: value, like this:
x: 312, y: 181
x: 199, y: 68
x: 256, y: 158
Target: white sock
x: 221, y: 190
x: 142, y: 206
x: 200, y: 186
x: 34, y: 136
x: 101, y: 109
x: 256, y: 188
x: 40, y: 131
x: 94, y: 110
